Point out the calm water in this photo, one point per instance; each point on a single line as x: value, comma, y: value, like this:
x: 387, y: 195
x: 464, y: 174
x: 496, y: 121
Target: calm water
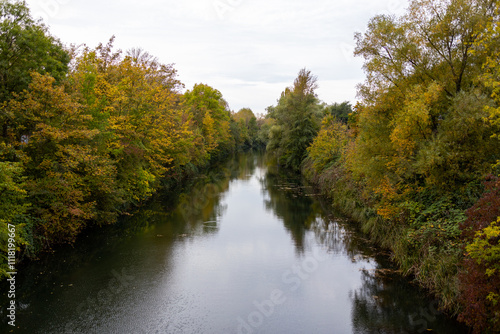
x: 245, y: 249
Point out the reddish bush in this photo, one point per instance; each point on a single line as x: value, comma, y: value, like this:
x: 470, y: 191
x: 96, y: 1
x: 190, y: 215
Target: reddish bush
x: 485, y: 211
x: 480, y: 312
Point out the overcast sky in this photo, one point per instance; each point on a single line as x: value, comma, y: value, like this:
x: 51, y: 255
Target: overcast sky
x: 250, y: 50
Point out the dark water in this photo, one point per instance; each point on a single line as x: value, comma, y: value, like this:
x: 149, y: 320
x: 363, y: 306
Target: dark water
x: 246, y: 249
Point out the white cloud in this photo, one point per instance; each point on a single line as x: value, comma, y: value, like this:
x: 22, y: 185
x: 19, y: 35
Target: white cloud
x: 249, y: 50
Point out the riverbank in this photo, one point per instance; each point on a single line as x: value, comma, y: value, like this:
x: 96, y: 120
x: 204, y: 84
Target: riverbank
x: 434, y: 268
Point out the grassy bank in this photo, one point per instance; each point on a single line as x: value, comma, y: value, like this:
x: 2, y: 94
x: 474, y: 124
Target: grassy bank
x: 424, y: 241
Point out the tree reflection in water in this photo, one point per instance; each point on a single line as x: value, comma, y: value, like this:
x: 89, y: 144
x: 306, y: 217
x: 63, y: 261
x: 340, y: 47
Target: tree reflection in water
x: 177, y: 234
x: 386, y: 302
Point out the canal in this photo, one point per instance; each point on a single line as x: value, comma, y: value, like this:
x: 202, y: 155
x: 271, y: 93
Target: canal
x: 245, y: 248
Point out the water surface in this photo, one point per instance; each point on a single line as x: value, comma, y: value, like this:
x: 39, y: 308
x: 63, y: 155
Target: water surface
x: 246, y: 248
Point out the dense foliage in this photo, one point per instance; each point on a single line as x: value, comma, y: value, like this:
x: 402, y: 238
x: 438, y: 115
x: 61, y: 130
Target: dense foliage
x: 480, y: 276
x: 246, y: 128
x: 296, y: 121
x: 87, y: 133
x: 409, y: 160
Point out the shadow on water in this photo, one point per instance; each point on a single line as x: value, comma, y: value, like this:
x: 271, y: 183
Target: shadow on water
x: 283, y: 197
x: 386, y: 302
x: 100, y: 262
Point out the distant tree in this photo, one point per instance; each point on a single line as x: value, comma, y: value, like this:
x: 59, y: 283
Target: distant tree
x: 297, y: 121
x: 329, y: 146
x: 340, y: 111
x: 244, y: 114
x: 210, y: 113
x: 247, y: 122
x: 264, y: 124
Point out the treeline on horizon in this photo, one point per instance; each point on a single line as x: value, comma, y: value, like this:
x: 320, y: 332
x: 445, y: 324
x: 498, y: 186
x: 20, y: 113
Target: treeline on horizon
x: 88, y: 133
x: 417, y: 160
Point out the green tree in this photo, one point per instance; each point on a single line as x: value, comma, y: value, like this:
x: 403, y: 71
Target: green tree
x: 488, y: 45
x: 13, y: 208
x: 264, y: 124
x: 25, y: 46
x: 432, y: 42
x: 211, y: 116
x: 328, y: 148
x: 247, y: 123
x: 340, y: 111
x: 297, y: 121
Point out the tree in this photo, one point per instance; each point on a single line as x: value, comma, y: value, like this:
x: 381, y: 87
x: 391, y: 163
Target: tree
x: 421, y: 77
x: 488, y: 45
x: 25, y: 46
x: 13, y: 208
x: 264, y: 124
x: 328, y: 148
x: 248, y: 128
x: 210, y: 114
x: 432, y: 42
x: 297, y: 121
x: 424, y: 142
x: 134, y: 102
x: 340, y: 111
x: 64, y: 172
x: 480, y: 276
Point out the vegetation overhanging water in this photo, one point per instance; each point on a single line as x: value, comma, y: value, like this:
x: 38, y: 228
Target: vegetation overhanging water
x: 246, y: 248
